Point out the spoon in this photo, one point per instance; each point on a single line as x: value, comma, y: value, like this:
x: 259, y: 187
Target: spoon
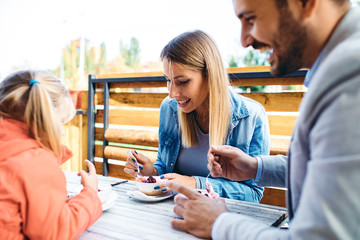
x: 137, y: 167
x: 207, y: 183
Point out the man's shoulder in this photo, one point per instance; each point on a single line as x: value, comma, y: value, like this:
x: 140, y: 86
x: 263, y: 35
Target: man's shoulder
x: 342, y: 63
x: 344, y: 46
x: 337, y: 74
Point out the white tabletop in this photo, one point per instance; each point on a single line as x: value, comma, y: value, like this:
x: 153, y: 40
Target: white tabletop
x: 132, y: 219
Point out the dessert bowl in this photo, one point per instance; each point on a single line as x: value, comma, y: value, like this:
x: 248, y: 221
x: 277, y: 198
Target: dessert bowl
x: 146, y: 184
x: 104, y: 191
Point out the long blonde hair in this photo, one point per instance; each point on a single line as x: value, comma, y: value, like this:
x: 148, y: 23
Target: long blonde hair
x: 37, y: 105
x: 197, y: 51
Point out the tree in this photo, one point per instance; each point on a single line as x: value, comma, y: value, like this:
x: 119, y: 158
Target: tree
x: 131, y: 54
x: 255, y: 58
x: 95, y: 63
x: 234, y: 62
x: 252, y: 58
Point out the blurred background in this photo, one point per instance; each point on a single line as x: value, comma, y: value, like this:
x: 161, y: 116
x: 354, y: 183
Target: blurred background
x: 75, y: 38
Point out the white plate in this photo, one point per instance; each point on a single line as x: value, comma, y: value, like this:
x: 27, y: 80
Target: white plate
x: 145, y: 198
x: 110, y: 201
x: 107, y: 195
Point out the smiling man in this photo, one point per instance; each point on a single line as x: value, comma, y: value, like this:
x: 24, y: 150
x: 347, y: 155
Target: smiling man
x: 322, y: 169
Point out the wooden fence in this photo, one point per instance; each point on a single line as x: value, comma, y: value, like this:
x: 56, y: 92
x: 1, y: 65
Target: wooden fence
x: 134, y: 116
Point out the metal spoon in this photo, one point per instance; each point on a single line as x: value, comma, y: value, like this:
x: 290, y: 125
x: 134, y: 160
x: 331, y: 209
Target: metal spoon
x: 137, y: 166
x: 207, y: 183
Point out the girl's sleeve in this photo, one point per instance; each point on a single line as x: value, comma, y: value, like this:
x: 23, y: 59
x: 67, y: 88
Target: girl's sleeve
x: 46, y: 211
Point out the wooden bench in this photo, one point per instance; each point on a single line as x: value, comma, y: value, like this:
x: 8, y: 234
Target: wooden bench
x: 121, y: 117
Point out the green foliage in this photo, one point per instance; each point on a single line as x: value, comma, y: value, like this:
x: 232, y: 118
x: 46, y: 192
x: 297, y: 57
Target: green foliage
x: 131, y: 54
x: 255, y: 58
x: 234, y: 62
x: 95, y: 63
x: 252, y: 58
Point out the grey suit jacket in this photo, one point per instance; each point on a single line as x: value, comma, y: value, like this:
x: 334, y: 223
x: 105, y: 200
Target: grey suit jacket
x: 323, y: 163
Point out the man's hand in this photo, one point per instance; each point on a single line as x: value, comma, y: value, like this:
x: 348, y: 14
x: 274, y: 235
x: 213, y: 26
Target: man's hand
x: 89, y: 179
x: 232, y: 163
x: 198, y: 211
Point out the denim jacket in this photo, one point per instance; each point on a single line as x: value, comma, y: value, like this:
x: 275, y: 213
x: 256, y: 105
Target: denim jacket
x: 249, y: 131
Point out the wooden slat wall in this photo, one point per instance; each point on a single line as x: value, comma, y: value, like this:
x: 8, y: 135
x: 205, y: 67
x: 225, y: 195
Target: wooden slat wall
x: 283, y: 102
x: 274, y: 196
x: 279, y: 125
x: 120, y: 153
x: 131, y: 136
x: 75, y: 138
x: 132, y: 112
x: 150, y: 138
x: 142, y: 109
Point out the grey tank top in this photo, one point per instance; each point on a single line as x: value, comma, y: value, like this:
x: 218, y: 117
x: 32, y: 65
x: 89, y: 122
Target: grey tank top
x: 193, y: 161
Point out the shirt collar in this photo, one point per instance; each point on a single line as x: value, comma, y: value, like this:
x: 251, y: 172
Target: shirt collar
x: 312, y: 70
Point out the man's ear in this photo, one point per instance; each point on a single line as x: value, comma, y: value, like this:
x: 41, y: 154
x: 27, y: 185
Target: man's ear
x: 308, y: 7
x: 303, y: 9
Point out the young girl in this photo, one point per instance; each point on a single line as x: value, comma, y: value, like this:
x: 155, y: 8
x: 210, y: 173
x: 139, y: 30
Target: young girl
x: 33, y: 197
x: 201, y: 111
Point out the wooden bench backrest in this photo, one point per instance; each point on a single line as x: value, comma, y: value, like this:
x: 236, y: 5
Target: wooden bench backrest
x: 133, y: 110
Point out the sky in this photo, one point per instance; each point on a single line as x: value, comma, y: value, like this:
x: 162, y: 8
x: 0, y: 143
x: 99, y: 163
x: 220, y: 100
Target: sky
x: 34, y: 32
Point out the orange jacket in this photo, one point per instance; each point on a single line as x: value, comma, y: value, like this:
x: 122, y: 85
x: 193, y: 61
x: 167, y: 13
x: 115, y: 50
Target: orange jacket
x: 33, y: 195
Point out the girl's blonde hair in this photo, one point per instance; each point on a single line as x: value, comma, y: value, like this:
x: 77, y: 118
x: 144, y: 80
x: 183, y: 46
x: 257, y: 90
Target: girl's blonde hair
x: 38, y: 106
x: 197, y: 51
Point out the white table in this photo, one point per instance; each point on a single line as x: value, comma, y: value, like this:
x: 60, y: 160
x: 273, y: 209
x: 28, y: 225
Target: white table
x: 131, y: 219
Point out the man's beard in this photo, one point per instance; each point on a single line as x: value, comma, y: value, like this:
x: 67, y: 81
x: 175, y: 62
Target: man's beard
x: 290, y: 44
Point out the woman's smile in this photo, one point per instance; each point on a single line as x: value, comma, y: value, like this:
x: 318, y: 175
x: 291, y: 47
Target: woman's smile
x: 183, y: 103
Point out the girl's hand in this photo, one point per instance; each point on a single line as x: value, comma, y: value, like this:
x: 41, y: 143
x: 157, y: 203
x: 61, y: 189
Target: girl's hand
x: 145, y: 166
x: 89, y: 179
x: 189, y: 182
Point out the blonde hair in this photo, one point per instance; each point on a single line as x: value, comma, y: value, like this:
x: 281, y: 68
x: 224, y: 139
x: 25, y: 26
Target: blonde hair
x: 38, y: 106
x: 197, y: 51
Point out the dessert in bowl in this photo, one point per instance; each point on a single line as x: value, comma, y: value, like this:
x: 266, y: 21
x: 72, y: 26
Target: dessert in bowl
x: 211, y: 195
x: 146, y: 184
x: 209, y: 191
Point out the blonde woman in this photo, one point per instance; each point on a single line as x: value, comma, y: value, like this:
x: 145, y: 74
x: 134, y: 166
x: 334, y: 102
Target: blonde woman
x: 200, y: 111
x: 34, y: 202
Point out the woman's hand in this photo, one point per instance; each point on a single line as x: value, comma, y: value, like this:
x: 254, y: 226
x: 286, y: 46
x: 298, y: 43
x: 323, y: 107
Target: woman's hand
x: 89, y: 179
x: 189, y: 182
x: 145, y: 166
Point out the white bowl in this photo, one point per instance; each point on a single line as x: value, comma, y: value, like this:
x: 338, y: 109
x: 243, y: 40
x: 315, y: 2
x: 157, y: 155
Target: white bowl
x: 104, y: 191
x: 148, y: 188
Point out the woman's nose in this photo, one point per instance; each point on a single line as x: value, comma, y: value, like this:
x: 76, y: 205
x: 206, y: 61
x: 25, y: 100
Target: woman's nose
x: 173, y: 91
